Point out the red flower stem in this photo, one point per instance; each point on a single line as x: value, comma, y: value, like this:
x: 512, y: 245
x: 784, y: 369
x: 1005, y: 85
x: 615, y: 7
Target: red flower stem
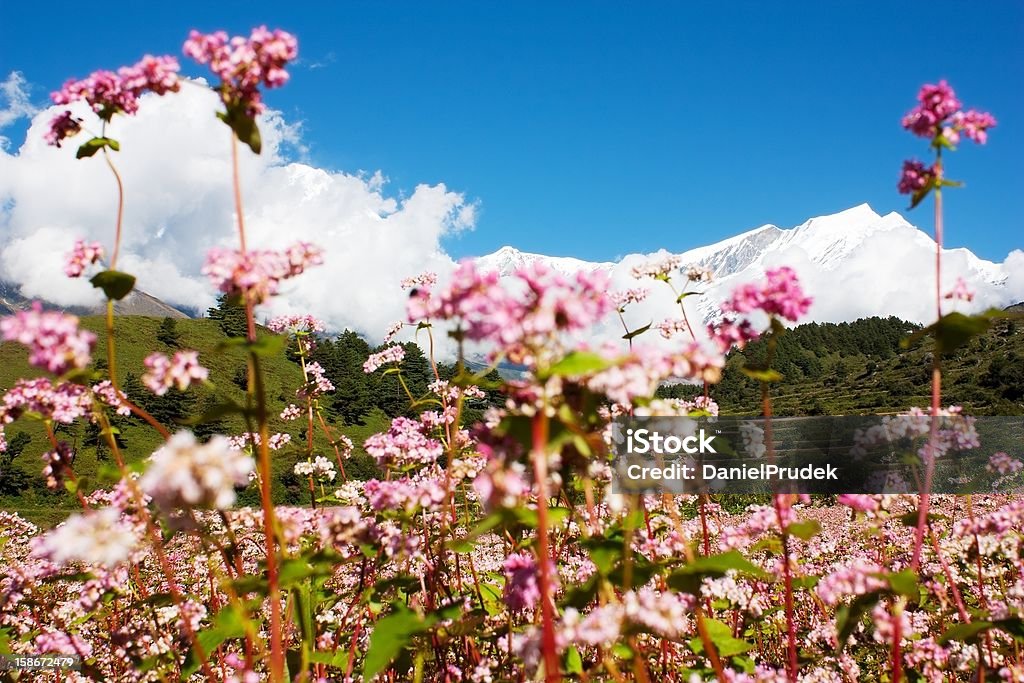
x: 266, y: 500
x: 929, y: 469
x: 552, y: 672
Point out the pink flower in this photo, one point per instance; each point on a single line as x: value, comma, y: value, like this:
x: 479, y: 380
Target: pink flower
x: 629, y: 296
x: 1004, y: 464
x: 290, y: 413
x: 53, y: 339
x: 57, y: 464
x: 317, y: 384
x: 110, y: 93
x: 728, y: 333
x: 915, y: 177
x: 295, y: 324
x: 961, y: 290
x: 974, y: 124
x: 81, y: 257
x: 106, y: 391
x: 392, y: 354
x: 936, y: 103
x: 182, y: 371
x: 780, y: 295
x: 256, y: 275
x: 859, y: 502
x: 62, y: 126
x: 243, y: 64
x: 65, y: 402
x: 403, y: 444
x: 521, y: 589
x: 427, y: 280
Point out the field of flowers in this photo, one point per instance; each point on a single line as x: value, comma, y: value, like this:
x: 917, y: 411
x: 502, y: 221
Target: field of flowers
x: 492, y: 551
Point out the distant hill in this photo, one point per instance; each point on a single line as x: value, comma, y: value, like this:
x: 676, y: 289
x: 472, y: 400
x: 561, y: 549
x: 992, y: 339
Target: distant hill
x: 136, y: 303
x: 860, y: 367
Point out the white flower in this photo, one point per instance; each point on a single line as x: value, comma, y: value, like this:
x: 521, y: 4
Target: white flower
x: 95, y: 537
x: 185, y: 473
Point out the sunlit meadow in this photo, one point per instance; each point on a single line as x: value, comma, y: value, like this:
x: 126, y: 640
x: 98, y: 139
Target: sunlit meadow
x: 487, y: 549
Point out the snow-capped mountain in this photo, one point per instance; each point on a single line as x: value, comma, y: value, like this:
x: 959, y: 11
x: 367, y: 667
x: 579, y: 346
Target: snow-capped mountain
x: 855, y: 263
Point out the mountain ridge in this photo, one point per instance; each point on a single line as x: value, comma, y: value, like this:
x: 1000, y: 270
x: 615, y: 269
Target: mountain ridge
x: 829, y: 252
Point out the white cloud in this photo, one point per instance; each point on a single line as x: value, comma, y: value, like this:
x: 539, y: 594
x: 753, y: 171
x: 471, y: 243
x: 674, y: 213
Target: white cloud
x: 14, y: 90
x: 175, y: 161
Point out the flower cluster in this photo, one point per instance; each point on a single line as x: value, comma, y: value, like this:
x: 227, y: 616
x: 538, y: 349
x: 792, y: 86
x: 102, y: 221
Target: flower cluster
x: 255, y: 275
x: 403, y: 444
x: 63, y: 402
x: 392, y: 354
x: 915, y: 177
x: 422, y: 280
x: 317, y: 384
x: 295, y: 324
x: 291, y: 412
x: 779, y: 295
x: 320, y: 468
x: 521, y: 590
x: 523, y: 318
x: 97, y: 538
x: 109, y: 93
x: 185, y: 474
x: 938, y: 113
x: 961, y: 291
x: 244, y: 64
x: 54, y: 341
x: 181, y: 371
x: 629, y: 296
x: 81, y: 257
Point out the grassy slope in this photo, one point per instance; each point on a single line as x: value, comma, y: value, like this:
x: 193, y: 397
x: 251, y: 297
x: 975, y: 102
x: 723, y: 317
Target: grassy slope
x: 136, y: 338
x: 850, y: 383
x: 854, y: 383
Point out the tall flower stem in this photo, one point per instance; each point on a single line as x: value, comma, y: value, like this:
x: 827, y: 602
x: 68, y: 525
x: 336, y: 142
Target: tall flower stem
x: 258, y: 391
x: 552, y: 671
x: 929, y: 469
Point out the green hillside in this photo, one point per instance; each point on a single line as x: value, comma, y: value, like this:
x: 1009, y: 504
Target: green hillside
x: 837, y: 369
x: 23, y: 489
x: 860, y: 367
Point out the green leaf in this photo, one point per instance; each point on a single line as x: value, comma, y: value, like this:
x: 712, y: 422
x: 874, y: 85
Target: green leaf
x: 115, y: 284
x: 244, y: 125
x: 762, y: 374
x: 966, y: 633
x: 848, y: 616
x: 637, y: 332
x: 604, y: 552
x: 805, y: 530
x: 969, y: 633
x: 688, y: 577
x: 904, y: 582
x: 573, y: 661
x: 721, y: 637
x: 390, y: 636
x: 953, y: 330
x: 686, y: 294
x: 226, y: 625
x: 90, y: 147
x: 579, y: 363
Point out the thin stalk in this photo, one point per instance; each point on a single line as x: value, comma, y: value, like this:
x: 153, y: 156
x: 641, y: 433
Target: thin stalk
x: 552, y: 673
x: 257, y: 389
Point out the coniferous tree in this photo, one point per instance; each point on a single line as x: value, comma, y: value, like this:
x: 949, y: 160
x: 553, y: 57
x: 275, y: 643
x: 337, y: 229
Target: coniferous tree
x: 230, y: 316
x: 168, y: 333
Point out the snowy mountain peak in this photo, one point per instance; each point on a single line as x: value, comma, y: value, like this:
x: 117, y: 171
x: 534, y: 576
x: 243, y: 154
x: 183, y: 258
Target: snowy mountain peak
x: 855, y: 263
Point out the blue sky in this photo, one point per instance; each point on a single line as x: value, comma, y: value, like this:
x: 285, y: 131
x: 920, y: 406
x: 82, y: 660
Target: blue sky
x: 599, y: 129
